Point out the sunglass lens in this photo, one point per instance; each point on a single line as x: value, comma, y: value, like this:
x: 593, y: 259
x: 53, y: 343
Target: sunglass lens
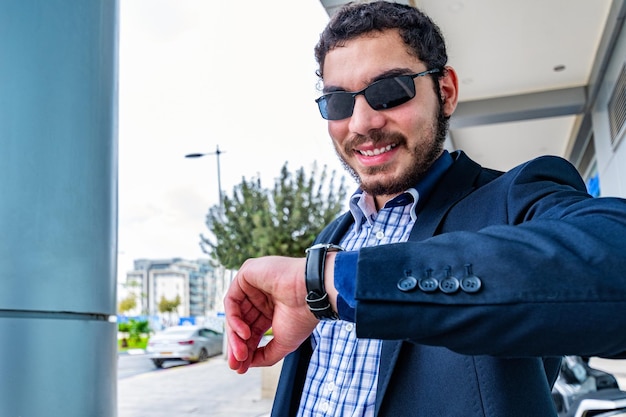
x: 390, y: 92
x: 322, y: 105
x: 380, y: 95
x: 336, y: 106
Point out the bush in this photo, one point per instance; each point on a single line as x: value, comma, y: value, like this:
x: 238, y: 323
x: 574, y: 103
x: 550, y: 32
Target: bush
x: 124, y: 344
x: 135, y: 329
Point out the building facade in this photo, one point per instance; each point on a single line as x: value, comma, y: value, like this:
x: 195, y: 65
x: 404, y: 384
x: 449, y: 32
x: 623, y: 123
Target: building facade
x: 192, y: 282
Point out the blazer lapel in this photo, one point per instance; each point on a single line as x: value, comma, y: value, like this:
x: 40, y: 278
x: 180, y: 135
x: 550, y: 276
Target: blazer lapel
x: 334, y: 232
x: 455, y: 184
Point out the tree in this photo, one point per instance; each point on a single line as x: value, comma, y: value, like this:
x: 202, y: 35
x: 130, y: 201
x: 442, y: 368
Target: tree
x: 127, y: 304
x: 256, y: 221
x: 168, y: 306
x: 134, y: 298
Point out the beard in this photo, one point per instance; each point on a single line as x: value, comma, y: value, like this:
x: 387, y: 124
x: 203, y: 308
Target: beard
x: 425, y: 153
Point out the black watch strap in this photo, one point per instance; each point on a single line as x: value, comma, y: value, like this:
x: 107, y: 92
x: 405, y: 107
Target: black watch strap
x: 317, y: 297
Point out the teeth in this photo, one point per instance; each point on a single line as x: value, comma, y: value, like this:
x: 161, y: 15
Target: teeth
x: 376, y: 151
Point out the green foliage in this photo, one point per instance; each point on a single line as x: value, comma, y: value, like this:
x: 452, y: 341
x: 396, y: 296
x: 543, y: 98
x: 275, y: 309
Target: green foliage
x: 169, y: 306
x: 256, y: 221
x: 127, y: 303
x: 125, y: 344
x: 134, y: 329
x: 123, y: 327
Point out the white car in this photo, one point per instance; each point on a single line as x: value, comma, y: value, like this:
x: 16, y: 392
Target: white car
x: 188, y: 343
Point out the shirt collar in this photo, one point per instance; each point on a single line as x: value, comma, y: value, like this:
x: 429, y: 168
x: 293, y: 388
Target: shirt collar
x: 363, y: 207
x: 362, y: 204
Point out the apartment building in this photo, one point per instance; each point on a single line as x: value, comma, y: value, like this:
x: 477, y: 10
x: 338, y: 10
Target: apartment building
x: 192, y: 281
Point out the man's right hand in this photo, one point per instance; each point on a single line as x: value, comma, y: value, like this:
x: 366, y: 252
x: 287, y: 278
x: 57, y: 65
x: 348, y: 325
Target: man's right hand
x: 266, y: 292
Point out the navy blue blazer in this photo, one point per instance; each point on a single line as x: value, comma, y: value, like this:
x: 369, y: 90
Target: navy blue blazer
x: 551, y: 264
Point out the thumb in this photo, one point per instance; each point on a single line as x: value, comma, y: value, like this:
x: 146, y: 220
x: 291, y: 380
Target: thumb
x: 270, y: 354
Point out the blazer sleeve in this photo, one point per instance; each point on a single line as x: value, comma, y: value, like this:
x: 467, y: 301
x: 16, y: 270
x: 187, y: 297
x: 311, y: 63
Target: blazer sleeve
x: 527, y: 265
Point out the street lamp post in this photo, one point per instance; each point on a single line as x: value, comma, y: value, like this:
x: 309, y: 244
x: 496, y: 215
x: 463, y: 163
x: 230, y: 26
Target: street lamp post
x: 224, y: 284
x: 217, y: 153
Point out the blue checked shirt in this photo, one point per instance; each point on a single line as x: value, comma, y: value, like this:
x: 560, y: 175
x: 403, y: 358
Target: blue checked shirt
x: 343, y: 372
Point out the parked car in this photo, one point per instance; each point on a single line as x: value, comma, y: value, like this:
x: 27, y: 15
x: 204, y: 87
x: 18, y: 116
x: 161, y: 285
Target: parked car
x: 188, y: 343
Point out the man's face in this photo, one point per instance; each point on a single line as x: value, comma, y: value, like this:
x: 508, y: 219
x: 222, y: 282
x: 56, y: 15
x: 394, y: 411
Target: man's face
x: 386, y: 150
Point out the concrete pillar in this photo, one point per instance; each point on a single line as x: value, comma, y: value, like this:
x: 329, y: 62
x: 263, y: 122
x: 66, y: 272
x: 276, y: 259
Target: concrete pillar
x: 58, y: 207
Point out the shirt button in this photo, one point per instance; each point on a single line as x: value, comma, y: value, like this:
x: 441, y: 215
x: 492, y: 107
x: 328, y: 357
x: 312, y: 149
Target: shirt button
x: 349, y: 327
x: 330, y: 386
x: 380, y: 235
x: 324, y: 407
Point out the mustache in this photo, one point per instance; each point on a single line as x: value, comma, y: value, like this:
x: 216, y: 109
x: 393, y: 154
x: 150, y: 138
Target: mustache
x: 375, y: 137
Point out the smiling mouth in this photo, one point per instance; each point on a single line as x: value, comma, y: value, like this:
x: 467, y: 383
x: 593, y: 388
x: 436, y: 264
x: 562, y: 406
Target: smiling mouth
x: 377, y: 151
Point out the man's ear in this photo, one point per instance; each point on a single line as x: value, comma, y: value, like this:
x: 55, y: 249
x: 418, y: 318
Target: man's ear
x: 449, y: 90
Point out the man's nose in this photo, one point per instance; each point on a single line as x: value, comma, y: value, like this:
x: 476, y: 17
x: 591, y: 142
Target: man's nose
x: 364, y: 118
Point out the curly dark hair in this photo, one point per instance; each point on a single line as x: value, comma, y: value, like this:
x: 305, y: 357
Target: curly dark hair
x: 421, y: 35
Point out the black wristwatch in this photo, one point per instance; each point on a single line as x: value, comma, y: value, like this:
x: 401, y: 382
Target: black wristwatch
x: 317, y: 297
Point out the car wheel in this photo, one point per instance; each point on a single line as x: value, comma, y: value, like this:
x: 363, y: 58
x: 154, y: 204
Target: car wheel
x: 203, y: 355
x: 158, y: 363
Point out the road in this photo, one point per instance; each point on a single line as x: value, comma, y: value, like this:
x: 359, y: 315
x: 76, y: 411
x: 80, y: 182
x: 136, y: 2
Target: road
x: 131, y: 365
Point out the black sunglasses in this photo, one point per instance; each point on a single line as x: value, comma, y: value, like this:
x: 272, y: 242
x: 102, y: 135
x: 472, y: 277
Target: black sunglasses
x: 380, y: 95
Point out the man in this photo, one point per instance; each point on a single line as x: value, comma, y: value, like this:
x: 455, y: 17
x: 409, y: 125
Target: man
x: 457, y: 287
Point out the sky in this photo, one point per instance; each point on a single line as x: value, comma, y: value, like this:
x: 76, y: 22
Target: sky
x: 197, y: 74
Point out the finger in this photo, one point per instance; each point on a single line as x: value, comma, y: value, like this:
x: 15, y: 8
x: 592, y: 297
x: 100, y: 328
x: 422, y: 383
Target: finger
x: 240, y: 354
x: 239, y: 317
x: 233, y: 363
x: 241, y: 366
x: 268, y: 355
x: 252, y: 327
x: 239, y: 327
x: 238, y: 347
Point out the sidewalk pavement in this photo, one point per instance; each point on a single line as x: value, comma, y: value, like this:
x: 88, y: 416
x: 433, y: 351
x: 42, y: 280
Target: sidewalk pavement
x: 211, y: 389
x: 207, y: 389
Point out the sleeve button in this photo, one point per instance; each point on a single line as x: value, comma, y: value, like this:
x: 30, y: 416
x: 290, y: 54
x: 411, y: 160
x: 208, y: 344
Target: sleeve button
x: 449, y: 285
x: 429, y: 284
x: 407, y: 283
x: 471, y: 284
